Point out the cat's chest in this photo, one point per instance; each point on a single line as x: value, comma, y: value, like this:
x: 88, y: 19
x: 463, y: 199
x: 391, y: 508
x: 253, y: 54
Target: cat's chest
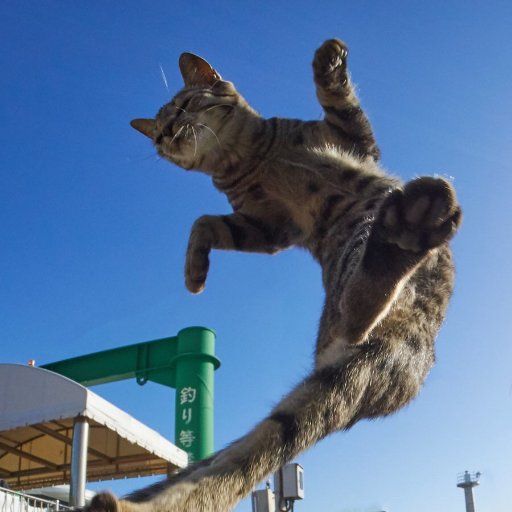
x: 299, y: 195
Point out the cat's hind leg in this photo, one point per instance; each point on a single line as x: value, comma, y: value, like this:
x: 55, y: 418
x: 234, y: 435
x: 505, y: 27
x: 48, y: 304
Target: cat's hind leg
x: 326, y: 401
x: 421, y: 216
x: 409, y: 224
x: 346, y: 120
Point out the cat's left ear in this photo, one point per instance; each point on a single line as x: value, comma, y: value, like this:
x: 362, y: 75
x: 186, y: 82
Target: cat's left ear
x: 145, y: 126
x: 196, y: 72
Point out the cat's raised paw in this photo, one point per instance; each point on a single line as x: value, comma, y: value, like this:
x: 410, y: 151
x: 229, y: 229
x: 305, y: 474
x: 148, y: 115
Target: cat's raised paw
x: 421, y: 216
x: 330, y: 64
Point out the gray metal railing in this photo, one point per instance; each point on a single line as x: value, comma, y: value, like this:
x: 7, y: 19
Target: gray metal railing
x: 15, y: 501
x: 472, y: 479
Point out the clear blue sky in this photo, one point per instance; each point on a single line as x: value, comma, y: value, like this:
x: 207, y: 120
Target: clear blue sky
x: 94, y: 228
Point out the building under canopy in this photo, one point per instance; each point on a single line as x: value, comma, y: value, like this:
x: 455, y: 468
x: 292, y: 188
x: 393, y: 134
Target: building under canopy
x: 54, y: 431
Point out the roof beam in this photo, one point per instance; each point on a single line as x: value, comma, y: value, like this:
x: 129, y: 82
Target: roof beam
x: 36, y: 477
x: 29, y: 456
x: 126, y: 459
x: 69, y: 441
x: 95, y: 464
x: 38, y: 471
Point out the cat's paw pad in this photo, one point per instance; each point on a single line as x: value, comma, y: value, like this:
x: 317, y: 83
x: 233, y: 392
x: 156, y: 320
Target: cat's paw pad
x: 196, y: 268
x: 421, y: 216
x: 330, y: 64
x: 104, y: 502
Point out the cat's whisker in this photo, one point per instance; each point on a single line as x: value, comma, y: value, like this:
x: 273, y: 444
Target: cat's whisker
x: 164, y: 77
x: 139, y: 158
x: 195, y: 139
x: 210, y: 130
x: 176, y: 134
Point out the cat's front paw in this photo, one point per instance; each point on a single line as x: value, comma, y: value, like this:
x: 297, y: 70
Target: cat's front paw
x: 330, y: 64
x: 197, y: 260
x: 421, y: 216
x: 196, y: 268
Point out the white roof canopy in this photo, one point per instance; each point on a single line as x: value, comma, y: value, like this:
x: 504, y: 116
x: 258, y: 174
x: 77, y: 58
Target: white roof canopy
x: 37, y: 413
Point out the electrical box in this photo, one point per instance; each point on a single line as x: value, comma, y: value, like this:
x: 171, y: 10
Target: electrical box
x: 293, y: 481
x: 263, y: 501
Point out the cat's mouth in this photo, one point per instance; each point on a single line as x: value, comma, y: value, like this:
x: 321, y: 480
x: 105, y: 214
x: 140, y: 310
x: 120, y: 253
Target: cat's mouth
x: 170, y: 136
x: 170, y: 131
x: 178, y: 144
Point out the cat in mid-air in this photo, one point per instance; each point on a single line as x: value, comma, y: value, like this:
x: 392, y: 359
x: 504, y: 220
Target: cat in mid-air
x: 382, y: 246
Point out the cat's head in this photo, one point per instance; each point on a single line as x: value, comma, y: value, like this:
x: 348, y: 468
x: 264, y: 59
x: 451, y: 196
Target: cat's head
x: 202, y: 124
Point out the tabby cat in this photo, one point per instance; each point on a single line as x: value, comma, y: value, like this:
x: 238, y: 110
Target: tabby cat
x: 382, y: 246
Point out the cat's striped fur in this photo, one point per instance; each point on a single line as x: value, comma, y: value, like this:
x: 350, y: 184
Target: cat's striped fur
x: 382, y: 246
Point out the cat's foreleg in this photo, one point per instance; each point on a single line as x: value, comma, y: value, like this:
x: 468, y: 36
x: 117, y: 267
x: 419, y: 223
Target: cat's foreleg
x: 237, y: 231
x: 409, y: 224
x: 347, y: 123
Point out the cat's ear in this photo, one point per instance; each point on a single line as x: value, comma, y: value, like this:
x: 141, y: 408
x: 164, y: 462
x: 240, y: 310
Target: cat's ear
x: 196, y: 72
x: 145, y: 126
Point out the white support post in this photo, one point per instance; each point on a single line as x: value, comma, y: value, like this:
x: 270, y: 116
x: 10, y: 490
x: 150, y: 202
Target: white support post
x: 79, y: 462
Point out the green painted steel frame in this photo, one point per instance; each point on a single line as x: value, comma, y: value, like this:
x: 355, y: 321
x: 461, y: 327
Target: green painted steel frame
x: 185, y: 362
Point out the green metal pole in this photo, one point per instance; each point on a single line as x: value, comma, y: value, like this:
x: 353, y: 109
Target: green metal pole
x: 185, y: 362
x: 194, y: 365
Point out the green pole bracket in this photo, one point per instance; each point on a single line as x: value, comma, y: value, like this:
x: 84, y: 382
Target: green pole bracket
x: 185, y: 362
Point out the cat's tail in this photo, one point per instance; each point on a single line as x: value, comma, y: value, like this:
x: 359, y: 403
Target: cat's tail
x: 330, y: 399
